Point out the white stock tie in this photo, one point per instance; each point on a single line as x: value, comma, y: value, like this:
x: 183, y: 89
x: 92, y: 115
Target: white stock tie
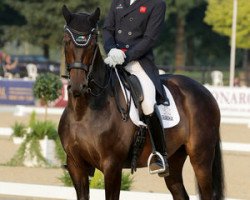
x: 132, y: 1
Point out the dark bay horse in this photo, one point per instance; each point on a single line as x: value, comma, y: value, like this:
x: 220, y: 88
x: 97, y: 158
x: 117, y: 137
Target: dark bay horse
x: 94, y: 135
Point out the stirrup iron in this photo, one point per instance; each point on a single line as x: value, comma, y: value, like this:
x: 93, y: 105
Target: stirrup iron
x: 156, y: 154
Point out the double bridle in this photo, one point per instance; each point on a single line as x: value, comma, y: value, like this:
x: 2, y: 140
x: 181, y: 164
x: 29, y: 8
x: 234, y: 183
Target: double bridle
x: 83, y: 40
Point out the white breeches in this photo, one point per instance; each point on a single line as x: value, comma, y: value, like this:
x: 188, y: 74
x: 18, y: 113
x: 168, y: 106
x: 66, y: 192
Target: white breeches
x: 147, y: 85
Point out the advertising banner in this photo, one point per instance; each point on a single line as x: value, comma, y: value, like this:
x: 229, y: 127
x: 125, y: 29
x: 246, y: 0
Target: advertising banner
x: 16, y: 92
x: 19, y: 92
x: 234, y: 103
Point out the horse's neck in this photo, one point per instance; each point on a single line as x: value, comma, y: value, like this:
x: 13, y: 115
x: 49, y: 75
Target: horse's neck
x: 99, y: 68
x: 100, y: 83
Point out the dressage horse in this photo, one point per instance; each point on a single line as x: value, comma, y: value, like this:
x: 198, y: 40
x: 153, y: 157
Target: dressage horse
x: 95, y: 136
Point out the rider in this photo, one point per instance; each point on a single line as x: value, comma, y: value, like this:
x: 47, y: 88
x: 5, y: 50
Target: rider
x: 130, y: 31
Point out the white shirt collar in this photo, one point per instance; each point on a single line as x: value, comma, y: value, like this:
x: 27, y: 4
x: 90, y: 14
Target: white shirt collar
x: 132, y: 1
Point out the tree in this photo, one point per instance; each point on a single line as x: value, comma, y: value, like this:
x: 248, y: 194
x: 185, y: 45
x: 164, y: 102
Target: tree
x: 204, y: 46
x: 8, y: 17
x: 44, y: 21
x: 219, y: 16
x: 47, y: 88
x: 181, y: 8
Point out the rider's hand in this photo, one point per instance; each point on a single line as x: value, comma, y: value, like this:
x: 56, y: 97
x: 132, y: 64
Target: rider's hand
x: 109, y: 61
x: 117, y: 55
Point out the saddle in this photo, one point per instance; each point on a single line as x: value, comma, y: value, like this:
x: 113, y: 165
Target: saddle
x: 132, y: 83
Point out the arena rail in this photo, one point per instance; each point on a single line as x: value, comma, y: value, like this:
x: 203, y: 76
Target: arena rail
x: 60, y: 192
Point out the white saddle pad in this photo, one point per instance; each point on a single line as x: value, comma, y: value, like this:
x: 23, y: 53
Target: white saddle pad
x: 169, y: 114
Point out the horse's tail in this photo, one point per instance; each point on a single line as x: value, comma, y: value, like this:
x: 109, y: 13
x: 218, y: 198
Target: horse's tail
x: 218, y: 173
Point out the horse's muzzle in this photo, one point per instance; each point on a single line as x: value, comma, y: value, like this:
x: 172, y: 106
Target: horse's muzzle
x: 78, y: 91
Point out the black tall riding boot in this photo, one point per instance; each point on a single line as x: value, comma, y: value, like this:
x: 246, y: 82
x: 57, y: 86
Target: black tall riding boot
x: 157, y: 135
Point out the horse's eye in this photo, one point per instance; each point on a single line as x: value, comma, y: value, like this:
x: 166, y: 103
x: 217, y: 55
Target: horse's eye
x: 66, y: 38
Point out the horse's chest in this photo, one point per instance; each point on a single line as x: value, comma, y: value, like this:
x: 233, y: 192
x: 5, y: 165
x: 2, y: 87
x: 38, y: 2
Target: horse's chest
x: 82, y: 136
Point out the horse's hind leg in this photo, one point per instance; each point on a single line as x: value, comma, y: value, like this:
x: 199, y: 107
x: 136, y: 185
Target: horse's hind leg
x: 174, y: 181
x: 202, y: 164
x: 112, y: 178
x: 80, y: 178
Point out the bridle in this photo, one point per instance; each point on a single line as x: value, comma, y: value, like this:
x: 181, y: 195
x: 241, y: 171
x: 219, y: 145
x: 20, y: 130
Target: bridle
x: 83, y: 40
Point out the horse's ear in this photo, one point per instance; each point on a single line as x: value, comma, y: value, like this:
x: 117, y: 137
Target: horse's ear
x: 66, y: 13
x: 94, y: 17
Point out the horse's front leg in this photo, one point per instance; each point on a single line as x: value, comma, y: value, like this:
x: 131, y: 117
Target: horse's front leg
x: 112, y: 178
x: 80, y: 178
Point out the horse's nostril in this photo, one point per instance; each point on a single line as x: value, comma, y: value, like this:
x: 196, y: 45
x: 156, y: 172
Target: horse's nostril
x: 76, y: 93
x: 68, y: 87
x: 82, y: 86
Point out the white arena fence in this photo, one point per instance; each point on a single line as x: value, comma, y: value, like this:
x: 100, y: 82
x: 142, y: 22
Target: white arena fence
x: 68, y: 193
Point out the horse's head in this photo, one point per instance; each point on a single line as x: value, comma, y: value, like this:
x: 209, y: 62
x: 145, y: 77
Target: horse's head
x: 80, y: 48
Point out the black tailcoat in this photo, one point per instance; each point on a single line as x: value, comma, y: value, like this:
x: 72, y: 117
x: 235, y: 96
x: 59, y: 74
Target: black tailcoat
x: 136, y: 28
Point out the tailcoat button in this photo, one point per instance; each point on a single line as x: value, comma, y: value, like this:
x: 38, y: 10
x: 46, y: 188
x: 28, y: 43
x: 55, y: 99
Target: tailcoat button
x: 131, y: 19
x: 129, y: 33
x: 119, y: 31
x: 127, y: 46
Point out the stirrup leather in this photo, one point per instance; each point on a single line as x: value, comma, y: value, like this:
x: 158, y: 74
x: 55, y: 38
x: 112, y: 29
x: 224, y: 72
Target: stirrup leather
x: 156, y: 153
